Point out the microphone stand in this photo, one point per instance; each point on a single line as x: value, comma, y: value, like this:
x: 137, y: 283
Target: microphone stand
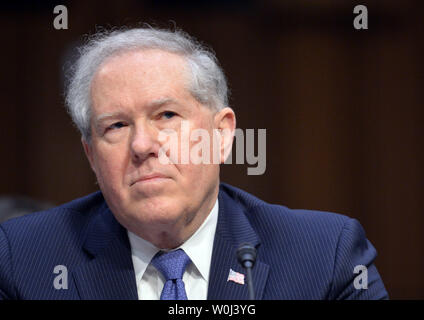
x: 246, y: 256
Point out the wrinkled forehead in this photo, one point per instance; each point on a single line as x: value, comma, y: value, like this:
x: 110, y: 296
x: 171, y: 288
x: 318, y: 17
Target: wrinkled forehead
x: 147, y: 74
x: 138, y: 79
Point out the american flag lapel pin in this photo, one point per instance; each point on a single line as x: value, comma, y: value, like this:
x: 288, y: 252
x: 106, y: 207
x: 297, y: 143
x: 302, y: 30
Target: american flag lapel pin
x: 236, y: 277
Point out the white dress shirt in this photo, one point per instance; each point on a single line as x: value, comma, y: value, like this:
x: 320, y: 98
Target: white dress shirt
x: 198, y: 247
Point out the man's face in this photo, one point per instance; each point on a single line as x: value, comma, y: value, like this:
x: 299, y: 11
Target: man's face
x: 135, y: 95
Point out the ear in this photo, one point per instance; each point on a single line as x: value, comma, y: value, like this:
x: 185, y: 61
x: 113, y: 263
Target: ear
x: 88, y: 152
x: 225, y: 122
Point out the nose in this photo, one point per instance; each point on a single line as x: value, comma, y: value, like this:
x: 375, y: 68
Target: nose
x: 144, y: 143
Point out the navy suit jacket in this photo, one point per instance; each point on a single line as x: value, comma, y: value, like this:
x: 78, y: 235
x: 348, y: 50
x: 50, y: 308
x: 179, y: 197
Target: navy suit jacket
x: 300, y: 254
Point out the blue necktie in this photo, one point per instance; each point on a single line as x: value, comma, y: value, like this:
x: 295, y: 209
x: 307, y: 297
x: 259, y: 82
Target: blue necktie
x: 172, y: 265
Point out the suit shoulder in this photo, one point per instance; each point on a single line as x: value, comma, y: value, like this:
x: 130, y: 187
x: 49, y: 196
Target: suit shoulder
x: 299, y: 216
x: 240, y: 196
x: 268, y: 217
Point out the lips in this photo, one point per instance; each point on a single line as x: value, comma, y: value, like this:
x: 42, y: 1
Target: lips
x: 150, y: 178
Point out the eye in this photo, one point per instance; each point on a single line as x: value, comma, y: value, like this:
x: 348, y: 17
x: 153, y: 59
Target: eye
x: 116, y: 125
x: 168, y: 114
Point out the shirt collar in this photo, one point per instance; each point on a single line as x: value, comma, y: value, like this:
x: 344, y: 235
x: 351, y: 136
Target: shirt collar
x: 198, y: 247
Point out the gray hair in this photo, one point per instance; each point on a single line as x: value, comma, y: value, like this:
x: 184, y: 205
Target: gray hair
x: 207, y: 84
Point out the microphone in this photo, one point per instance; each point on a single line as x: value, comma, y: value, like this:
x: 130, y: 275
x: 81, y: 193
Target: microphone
x: 246, y: 256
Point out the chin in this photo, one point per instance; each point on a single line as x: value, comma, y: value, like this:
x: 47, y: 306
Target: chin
x: 157, y: 210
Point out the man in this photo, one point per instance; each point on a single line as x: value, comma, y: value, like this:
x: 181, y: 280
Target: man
x: 168, y: 229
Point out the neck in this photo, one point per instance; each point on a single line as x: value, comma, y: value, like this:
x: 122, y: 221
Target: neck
x: 171, y: 236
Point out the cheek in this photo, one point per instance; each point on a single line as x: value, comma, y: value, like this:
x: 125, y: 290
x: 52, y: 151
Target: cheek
x: 197, y: 177
x: 197, y: 174
x: 110, y: 164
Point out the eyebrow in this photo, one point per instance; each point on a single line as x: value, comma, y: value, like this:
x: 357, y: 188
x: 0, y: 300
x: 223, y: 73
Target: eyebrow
x: 107, y: 115
x: 160, y: 102
x: 152, y: 105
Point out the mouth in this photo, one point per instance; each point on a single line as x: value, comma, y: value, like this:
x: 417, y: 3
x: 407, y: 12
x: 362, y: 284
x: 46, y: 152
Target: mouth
x: 154, y: 177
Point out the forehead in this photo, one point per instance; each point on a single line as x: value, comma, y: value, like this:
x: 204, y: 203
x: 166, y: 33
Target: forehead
x: 145, y: 74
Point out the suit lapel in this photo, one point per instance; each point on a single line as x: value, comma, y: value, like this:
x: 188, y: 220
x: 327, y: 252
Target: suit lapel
x: 233, y: 228
x: 110, y: 272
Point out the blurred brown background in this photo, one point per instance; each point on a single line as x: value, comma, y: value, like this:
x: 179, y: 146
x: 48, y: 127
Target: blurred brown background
x: 343, y: 108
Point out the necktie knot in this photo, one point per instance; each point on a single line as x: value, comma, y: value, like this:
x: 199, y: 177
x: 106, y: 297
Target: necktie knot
x: 171, y: 264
